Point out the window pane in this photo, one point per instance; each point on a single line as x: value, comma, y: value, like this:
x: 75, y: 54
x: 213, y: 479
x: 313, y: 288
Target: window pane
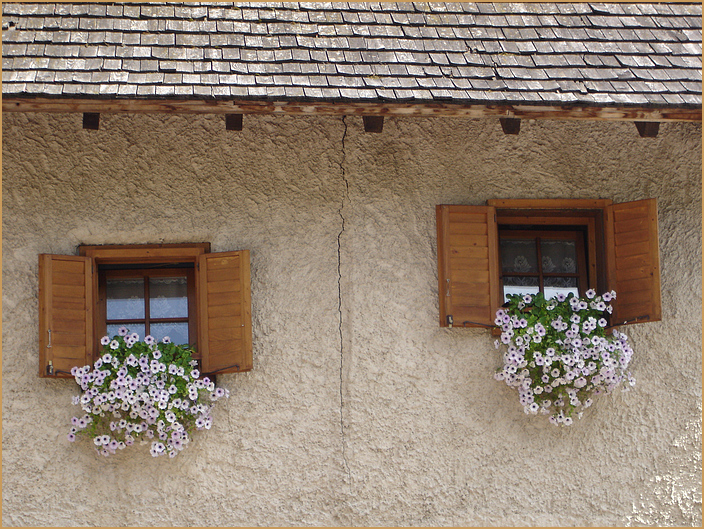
x: 177, y: 332
x: 125, y: 299
x: 565, y: 285
x: 559, y: 256
x: 133, y: 327
x: 519, y: 255
x: 168, y: 297
x: 520, y: 285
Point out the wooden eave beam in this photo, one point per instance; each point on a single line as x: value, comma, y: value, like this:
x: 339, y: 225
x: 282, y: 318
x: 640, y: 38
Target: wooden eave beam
x: 566, y: 112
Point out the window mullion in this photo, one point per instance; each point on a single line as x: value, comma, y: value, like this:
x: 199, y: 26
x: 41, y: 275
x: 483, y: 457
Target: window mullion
x: 147, y: 330
x: 539, y: 254
x: 124, y: 321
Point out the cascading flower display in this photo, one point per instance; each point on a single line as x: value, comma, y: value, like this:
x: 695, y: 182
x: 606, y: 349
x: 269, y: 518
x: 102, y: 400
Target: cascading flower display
x: 557, y: 352
x: 146, y: 391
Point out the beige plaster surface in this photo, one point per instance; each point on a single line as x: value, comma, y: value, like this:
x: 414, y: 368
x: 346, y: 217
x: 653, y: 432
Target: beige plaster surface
x: 360, y: 409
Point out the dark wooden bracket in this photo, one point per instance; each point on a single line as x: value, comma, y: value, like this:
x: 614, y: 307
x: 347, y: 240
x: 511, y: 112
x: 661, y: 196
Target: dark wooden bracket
x: 373, y: 123
x: 91, y: 120
x: 233, y: 121
x: 510, y: 125
x: 648, y: 129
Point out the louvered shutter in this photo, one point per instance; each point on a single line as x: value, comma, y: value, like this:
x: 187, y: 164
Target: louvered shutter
x: 633, y: 261
x: 65, y: 314
x: 468, y: 269
x: 224, y: 312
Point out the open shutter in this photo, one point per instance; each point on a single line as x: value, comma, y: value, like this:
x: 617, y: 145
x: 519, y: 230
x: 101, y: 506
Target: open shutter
x: 65, y: 314
x: 224, y: 312
x: 468, y: 270
x: 633, y: 261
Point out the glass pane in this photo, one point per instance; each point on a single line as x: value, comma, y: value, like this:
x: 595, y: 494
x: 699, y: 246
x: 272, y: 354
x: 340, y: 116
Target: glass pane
x: 519, y: 255
x: 177, y: 332
x: 555, y: 285
x: 133, y: 327
x: 168, y: 297
x: 125, y: 299
x: 559, y: 256
x: 520, y: 285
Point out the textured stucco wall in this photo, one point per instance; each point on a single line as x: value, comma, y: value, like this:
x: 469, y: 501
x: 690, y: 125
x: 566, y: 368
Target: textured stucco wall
x: 360, y: 410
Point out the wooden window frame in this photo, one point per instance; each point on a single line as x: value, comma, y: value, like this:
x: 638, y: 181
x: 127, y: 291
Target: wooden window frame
x: 622, y: 243
x: 70, y: 303
x: 591, y: 220
x: 136, y: 254
x: 538, y: 235
x: 146, y: 274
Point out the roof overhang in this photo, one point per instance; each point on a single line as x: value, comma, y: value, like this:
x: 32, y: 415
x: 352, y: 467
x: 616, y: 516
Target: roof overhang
x: 310, y: 108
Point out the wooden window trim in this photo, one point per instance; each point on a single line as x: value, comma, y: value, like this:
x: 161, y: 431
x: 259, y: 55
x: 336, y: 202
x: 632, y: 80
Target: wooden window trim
x: 128, y: 254
x: 556, y: 204
x: 144, y: 253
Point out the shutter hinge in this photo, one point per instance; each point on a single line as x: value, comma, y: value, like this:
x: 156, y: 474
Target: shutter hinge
x: 637, y: 319
x: 48, y: 345
x: 450, y: 320
x: 237, y: 366
x: 447, y: 290
x: 50, y: 368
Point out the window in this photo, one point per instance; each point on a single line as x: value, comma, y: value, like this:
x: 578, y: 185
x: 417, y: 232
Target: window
x: 182, y: 291
x: 544, y: 261
x: 486, y: 252
x: 155, y: 301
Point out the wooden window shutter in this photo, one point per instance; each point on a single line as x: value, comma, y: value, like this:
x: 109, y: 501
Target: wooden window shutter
x: 224, y: 312
x: 468, y: 267
x: 65, y: 314
x: 633, y: 261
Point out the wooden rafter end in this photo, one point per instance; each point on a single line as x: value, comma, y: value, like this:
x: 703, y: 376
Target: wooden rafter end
x: 510, y: 125
x: 233, y: 121
x: 647, y: 129
x: 91, y: 120
x: 373, y: 123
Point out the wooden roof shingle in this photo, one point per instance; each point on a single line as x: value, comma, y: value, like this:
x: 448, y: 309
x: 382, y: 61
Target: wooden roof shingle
x: 551, y: 54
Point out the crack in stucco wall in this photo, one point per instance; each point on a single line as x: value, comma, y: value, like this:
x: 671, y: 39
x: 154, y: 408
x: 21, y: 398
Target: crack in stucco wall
x: 346, y: 196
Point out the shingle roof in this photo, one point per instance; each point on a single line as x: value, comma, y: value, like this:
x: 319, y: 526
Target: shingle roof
x: 550, y: 53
